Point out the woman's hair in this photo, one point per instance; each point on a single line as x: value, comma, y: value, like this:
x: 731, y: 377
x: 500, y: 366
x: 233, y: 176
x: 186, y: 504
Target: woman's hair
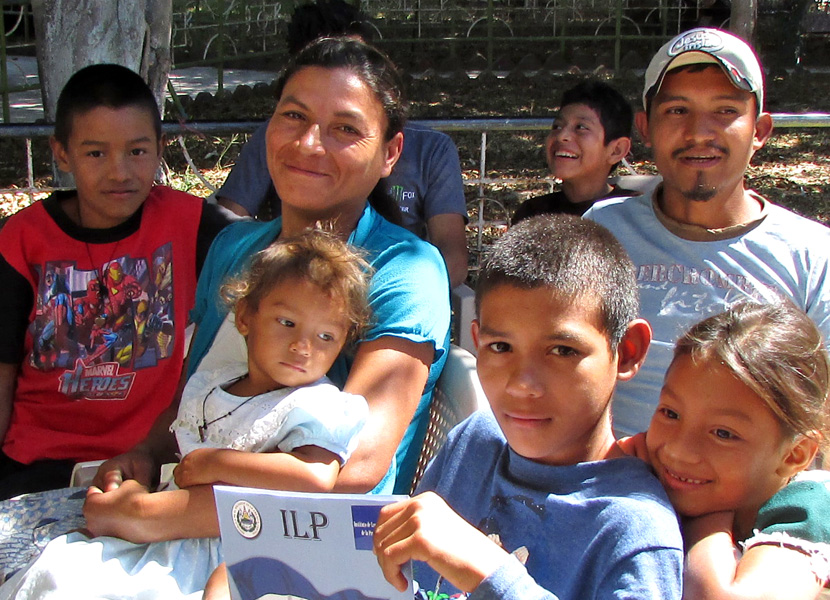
x: 317, y: 257
x: 777, y: 352
x: 378, y: 73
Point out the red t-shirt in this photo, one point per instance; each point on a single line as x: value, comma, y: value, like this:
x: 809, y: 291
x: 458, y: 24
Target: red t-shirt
x: 105, y: 343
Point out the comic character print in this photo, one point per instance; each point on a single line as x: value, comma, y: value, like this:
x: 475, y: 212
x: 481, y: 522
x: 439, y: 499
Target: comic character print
x: 120, y: 315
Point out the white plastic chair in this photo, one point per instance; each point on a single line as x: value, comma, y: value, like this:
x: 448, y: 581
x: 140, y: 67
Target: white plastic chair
x: 644, y: 184
x: 463, y: 313
x: 84, y: 473
x: 457, y: 395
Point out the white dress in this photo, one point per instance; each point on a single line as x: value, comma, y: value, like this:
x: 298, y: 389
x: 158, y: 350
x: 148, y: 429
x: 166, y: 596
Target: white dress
x: 318, y: 414
x: 75, y: 566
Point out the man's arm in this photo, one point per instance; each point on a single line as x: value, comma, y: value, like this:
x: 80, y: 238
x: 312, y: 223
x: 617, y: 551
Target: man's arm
x: 444, y: 203
x: 232, y: 206
x: 391, y: 374
x: 8, y: 380
x: 448, y: 233
x: 249, y: 182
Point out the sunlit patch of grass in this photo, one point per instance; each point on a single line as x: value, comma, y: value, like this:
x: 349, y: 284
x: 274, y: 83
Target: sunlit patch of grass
x: 11, y: 202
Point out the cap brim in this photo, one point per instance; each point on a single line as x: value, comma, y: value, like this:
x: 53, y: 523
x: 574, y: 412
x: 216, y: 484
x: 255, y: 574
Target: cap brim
x: 696, y: 57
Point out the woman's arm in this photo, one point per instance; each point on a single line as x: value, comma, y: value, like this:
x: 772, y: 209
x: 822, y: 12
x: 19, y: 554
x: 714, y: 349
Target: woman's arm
x: 305, y: 469
x: 714, y: 571
x: 132, y: 513
x: 391, y: 374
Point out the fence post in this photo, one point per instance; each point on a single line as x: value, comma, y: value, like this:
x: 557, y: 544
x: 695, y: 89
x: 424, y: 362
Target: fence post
x: 220, y: 69
x: 742, y: 19
x: 4, y: 76
x: 490, y: 34
x: 617, y: 33
x: 482, y: 169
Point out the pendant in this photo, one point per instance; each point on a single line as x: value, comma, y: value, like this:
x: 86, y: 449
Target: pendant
x: 202, y: 433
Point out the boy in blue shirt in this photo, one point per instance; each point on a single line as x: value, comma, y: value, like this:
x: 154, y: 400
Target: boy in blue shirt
x: 589, y: 137
x: 536, y: 499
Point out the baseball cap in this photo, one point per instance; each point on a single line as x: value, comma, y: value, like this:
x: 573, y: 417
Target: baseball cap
x: 706, y: 45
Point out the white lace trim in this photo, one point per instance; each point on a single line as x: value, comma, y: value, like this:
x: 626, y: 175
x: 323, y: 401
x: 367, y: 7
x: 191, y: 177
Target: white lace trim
x: 817, y: 552
x: 318, y: 414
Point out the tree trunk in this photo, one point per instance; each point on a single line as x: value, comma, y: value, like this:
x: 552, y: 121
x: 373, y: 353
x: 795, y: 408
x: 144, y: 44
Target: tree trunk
x: 743, y: 19
x: 156, y: 60
x: 72, y: 34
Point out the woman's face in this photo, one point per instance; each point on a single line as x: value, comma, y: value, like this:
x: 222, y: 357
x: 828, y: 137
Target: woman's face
x: 325, y: 143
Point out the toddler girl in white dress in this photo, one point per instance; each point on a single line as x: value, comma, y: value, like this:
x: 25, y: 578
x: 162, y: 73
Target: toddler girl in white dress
x: 276, y: 422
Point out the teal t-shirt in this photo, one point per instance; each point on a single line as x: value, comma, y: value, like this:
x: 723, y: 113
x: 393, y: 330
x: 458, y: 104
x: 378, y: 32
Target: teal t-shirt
x: 409, y: 295
x: 798, y: 517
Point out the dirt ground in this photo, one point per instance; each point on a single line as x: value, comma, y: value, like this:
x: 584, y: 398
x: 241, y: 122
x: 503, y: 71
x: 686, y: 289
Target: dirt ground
x: 793, y: 169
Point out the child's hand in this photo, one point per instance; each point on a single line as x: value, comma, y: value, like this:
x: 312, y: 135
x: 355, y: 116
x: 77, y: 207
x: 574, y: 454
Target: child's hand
x: 635, y: 446
x: 425, y: 528
x: 198, y: 467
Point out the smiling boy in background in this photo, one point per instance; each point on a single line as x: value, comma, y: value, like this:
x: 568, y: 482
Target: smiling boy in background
x: 589, y: 137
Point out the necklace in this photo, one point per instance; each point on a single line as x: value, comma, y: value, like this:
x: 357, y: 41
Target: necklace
x: 103, y: 292
x: 205, y: 423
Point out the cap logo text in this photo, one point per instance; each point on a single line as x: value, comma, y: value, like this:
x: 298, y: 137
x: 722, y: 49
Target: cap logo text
x: 705, y: 41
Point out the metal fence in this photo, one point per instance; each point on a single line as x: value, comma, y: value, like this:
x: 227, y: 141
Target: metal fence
x: 223, y: 32
x: 246, y: 33
x: 477, y: 180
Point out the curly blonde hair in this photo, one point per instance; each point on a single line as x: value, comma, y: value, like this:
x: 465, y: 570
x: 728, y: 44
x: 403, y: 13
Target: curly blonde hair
x: 318, y: 257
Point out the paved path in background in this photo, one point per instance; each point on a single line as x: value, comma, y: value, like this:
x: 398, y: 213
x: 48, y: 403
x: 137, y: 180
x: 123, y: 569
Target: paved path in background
x: 27, y: 107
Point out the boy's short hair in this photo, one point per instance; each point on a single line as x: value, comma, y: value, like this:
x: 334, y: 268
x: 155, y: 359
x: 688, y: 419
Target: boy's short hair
x: 576, y: 259
x: 614, y: 111
x: 107, y: 85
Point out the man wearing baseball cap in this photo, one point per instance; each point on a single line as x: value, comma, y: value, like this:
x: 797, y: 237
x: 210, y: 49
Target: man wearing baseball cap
x: 702, y: 241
